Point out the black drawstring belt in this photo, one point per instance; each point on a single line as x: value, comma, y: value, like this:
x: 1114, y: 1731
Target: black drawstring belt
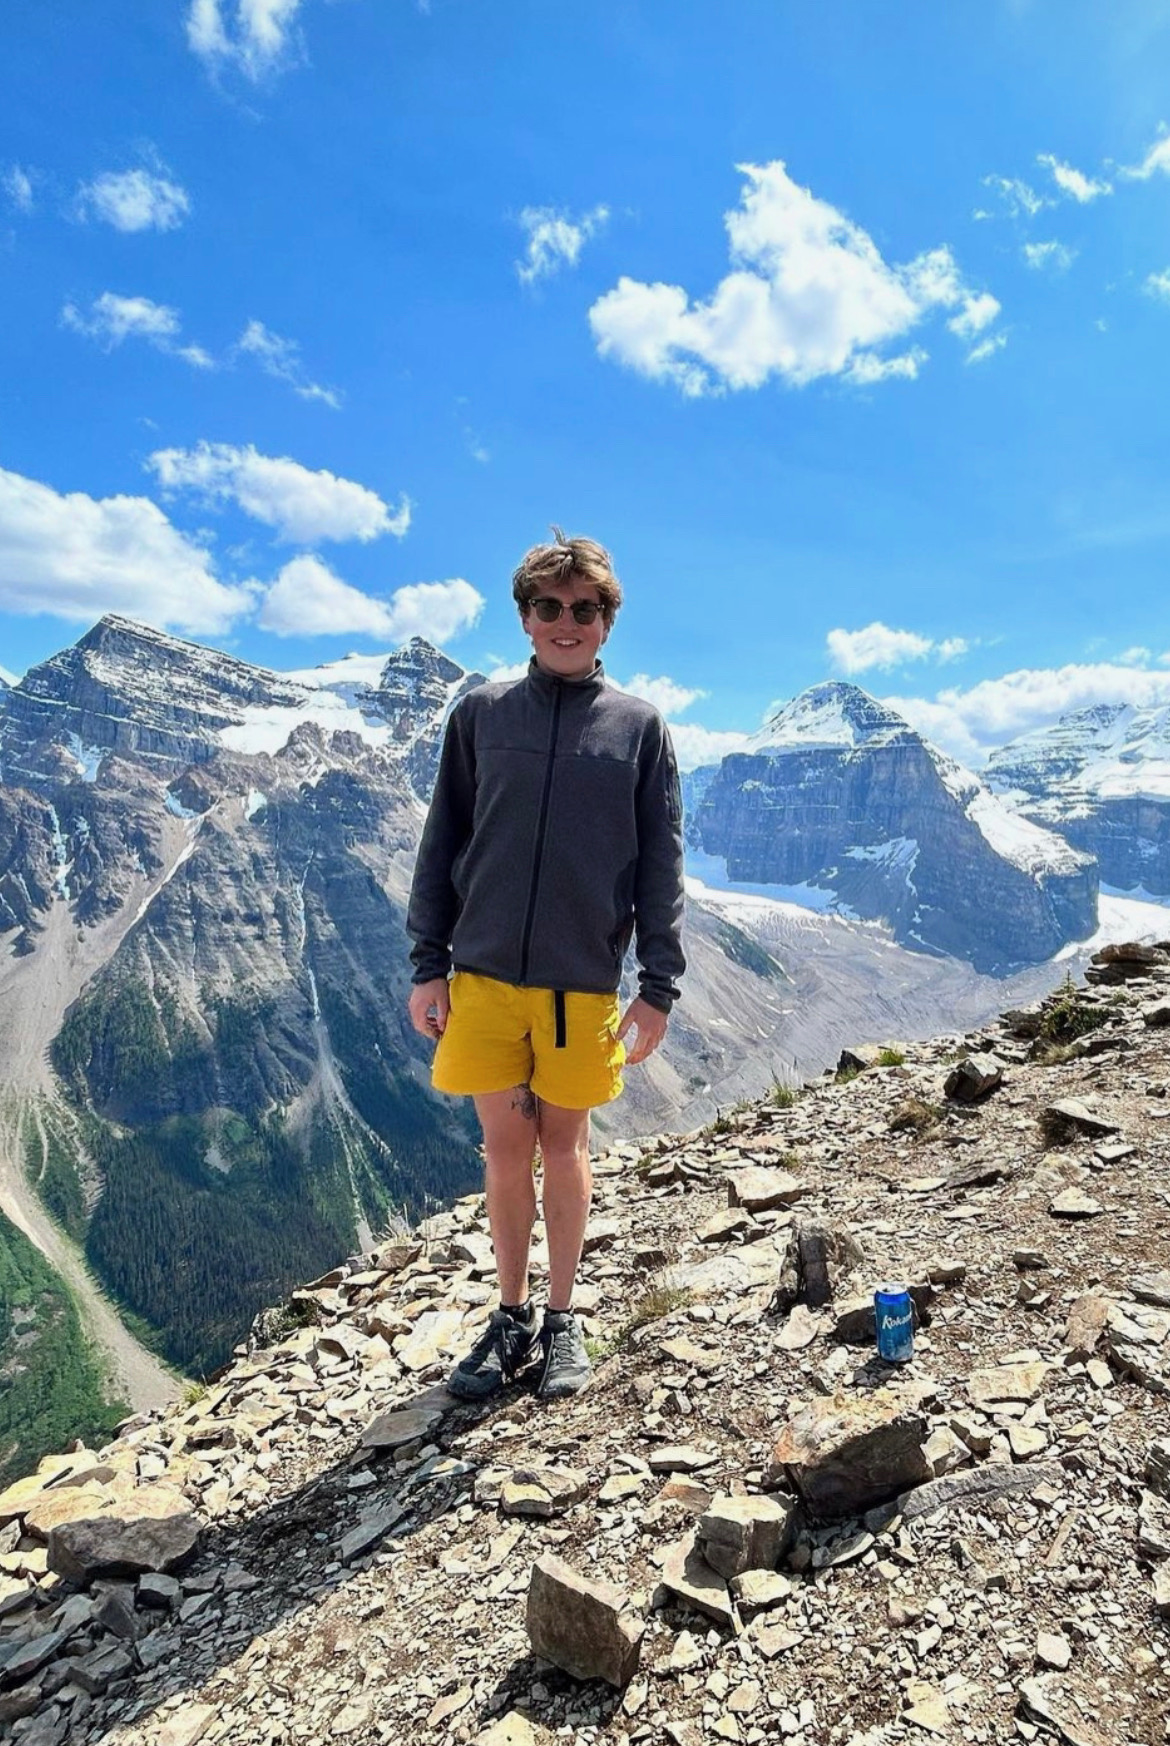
x: 559, y: 1017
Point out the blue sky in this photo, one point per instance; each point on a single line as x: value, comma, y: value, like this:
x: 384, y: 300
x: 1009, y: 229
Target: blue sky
x: 846, y: 328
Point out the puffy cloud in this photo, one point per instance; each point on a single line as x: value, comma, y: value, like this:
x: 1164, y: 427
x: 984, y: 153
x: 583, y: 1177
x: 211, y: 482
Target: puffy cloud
x: 667, y: 697
x: 1158, y: 285
x: 971, y: 723
x: 256, y: 37
x: 555, y: 240
x: 1054, y: 255
x: 134, y: 200
x: 112, y: 319
x: 695, y: 745
x: 1072, y: 182
x: 976, y: 314
x: 879, y: 646
x: 76, y: 557
x: 809, y: 295
x: 1155, y: 162
x: 307, y: 599
x: 302, y: 505
x: 17, y: 185
x: 282, y: 358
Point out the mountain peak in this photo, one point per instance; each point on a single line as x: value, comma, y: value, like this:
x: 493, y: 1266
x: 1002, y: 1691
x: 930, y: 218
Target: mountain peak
x: 833, y: 714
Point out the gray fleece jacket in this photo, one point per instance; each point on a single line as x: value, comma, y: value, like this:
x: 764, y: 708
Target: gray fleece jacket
x: 554, y: 836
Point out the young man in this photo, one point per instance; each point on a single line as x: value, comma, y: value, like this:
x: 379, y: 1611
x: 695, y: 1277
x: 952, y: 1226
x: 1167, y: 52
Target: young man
x: 554, y: 836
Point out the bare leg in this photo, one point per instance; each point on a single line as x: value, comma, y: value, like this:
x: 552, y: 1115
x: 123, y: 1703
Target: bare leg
x: 568, y: 1184
x: 508, y: 1120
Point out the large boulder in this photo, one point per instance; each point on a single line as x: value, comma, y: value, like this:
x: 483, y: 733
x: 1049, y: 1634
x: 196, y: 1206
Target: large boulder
x: 152, y: 1527
x: 847, y: 1453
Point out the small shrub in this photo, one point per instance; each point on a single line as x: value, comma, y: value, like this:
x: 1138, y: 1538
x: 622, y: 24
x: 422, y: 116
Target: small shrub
x: 194, y: 1392
x: 915, y: 1116
x: 1054, y: 1054
x: 783, y: 1096
x: 658, y: 1301
x: 599, y: 1349
x: 891, y: 1057
x: 846, y: 1075
x: 1068, y: 1016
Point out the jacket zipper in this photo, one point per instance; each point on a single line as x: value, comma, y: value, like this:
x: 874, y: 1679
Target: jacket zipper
x: 541, y: 827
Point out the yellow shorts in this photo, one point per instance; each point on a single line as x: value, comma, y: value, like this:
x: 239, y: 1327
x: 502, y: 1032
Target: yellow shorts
x: 498, y: 1036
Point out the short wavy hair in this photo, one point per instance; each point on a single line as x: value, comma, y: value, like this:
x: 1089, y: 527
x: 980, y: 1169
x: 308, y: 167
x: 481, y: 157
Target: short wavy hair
x: 545, y: 565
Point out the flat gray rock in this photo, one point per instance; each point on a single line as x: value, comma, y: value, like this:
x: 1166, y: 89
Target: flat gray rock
x: 978, y: 1485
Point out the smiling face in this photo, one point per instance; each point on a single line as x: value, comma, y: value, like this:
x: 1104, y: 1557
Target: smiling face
x: 566, y: 649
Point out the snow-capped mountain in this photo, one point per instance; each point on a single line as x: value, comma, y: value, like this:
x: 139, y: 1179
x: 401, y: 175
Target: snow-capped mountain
x: 837, y: 795
x: 1101, y: 778
x: 126, y: 688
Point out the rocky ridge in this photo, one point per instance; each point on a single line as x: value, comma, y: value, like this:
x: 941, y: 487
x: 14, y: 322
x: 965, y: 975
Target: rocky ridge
x: 374, y: 1560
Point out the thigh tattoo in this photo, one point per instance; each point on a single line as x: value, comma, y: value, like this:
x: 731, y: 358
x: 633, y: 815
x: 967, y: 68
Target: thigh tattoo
x: 525, y: 1102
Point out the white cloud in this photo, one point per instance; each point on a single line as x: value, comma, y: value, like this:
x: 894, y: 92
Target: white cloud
x: 302, y: 505
x: 879, y: 646
x: 867, y: 368
x: 257, y: 37
x: 1156, y: 160
x: 1073, y: 182
x: 809, y: 295
x: 976, y: 314
x: 307, y: 599
x: 112, y: 319
x: 986, y: 348
x: 667, y: 697
x: 76, y: 557
x: 1020, y: 199
x: 1056, y: 255
x: 555, y: 240
x: 1158, y: 285
x: 695, y: 745
x: 17, y: 185
x: 282, y: 358
x: 970, y: 724
x: 133, y: 200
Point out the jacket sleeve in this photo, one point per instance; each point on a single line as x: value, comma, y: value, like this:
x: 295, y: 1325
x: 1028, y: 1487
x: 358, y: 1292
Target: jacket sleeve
x: 434, y: 906
x: 658, y: 884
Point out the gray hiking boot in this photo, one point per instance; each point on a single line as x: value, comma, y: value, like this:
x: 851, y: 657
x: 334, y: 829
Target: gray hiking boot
x: 566, y: 1369
x: 503, y: 1348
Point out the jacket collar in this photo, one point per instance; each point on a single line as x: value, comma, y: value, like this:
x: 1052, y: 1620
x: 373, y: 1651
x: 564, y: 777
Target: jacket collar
x: 546, y: 685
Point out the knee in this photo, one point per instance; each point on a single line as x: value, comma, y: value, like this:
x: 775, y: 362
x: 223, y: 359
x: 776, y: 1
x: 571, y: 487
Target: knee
x: 563, y: 1158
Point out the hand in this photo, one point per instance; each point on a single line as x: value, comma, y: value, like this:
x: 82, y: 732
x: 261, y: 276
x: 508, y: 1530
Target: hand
x: 429, y: 1007
x: 650, y: 1025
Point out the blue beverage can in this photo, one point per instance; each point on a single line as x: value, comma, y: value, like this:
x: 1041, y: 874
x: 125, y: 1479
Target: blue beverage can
x: 893, y: 1316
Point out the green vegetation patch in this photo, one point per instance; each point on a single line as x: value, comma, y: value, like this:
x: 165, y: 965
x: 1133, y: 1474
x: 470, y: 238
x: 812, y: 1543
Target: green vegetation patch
x: 1068, y: 1016
x: 744, y: 951
x: 52, y: 1383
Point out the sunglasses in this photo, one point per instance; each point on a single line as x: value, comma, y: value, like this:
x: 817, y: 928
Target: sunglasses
x: 549, y: 610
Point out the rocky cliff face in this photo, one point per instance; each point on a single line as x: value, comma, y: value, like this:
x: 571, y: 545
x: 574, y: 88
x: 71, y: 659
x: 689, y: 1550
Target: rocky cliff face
x: 414, y: 695
x: 840, y: 794
x: 1099, y: 777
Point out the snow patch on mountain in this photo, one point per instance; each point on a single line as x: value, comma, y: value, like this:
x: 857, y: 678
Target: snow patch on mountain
x: 708, y: 873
